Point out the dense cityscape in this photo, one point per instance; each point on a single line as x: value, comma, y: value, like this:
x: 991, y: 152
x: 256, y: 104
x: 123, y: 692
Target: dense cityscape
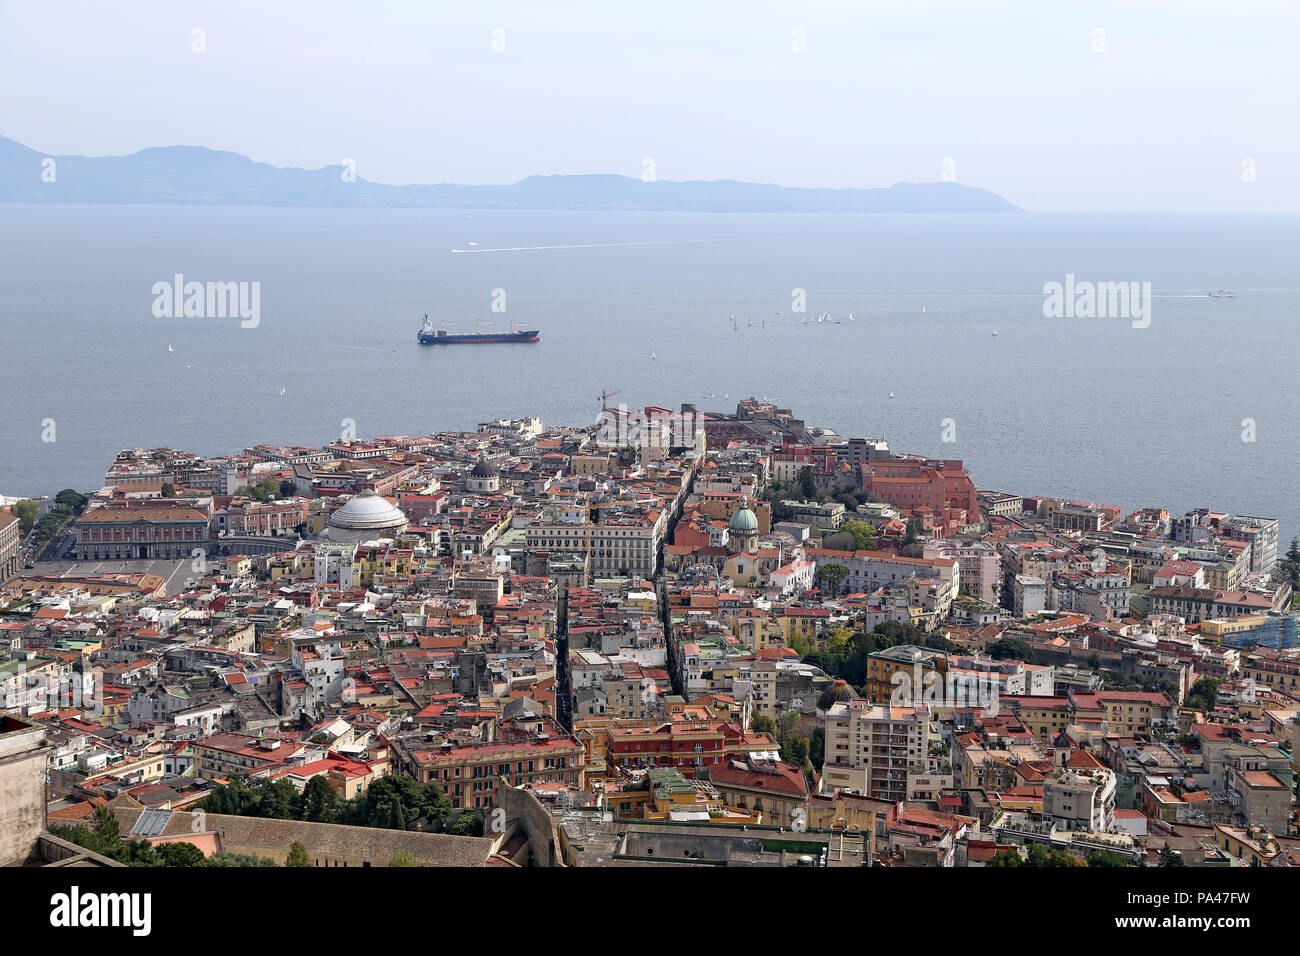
x: 675, y: 637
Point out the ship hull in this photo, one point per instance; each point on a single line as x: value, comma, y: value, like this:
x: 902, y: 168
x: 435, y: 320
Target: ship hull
x: 433, y: 338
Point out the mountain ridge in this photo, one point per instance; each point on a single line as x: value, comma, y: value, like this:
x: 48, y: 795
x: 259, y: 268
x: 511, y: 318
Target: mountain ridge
x: 198, y: 175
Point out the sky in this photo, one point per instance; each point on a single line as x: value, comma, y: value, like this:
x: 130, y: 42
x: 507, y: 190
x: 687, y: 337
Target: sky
x: 1138, y: 105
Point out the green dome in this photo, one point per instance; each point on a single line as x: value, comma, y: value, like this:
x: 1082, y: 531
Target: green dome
x: 743, y: 520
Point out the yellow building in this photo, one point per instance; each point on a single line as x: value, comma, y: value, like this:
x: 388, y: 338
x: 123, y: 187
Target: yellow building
x: 674, y: 797
x: 1045, y: 717
x: 1254, y: 844
x: 905, y: 659
x: 369, y: 562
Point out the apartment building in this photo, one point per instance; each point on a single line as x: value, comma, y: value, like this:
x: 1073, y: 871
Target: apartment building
x: 521, y: 750
x: 1201, y: 604
x: 623, y: 545
x: 871, y: 749
x: 870, y: 570
x: 10, y: 541
x: 1080, y: 799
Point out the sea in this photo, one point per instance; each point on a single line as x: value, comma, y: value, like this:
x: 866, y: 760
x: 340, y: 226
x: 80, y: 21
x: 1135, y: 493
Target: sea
x: 1197, y: 408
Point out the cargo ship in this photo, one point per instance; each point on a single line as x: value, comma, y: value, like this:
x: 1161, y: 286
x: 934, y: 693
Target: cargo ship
x: 428, y: 335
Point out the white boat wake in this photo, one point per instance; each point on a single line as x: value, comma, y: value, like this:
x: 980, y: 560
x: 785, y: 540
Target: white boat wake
x: 604, y: 245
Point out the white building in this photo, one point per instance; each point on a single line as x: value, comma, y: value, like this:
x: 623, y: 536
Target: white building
x: 333, y: 565
x: 1080, y: 799
x: 1030, y: 595
x: 365, y: 517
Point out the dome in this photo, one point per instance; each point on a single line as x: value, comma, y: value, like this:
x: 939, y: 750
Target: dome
x: 743, y: 519
x: 836, y: 693
x: 368, y: 512
x: 484, y: 470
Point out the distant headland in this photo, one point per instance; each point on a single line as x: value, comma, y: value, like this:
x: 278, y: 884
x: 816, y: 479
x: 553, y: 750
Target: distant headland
x: 195, y: 175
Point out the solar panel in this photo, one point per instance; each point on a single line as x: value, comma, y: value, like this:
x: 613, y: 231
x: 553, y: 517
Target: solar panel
x: 151, y: 823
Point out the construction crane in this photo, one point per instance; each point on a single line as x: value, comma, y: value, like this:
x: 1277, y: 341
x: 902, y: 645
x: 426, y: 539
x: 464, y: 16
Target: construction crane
x: 606, y: 396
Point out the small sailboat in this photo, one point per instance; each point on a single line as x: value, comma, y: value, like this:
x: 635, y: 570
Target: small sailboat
x: 923, y: 308
x: 891, y: 394
x: 169, y: 347
x: 653, y: 356
x: 281, y: 391
x: 851, y: 319
x: 995, y: 333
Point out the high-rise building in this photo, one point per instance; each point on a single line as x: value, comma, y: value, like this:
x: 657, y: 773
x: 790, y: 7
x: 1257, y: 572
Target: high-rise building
x: 871, y: 749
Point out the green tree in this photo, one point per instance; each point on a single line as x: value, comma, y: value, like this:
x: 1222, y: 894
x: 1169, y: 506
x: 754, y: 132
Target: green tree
x: 864, y: 535
x: 180, y: 854
x: 794, y: 749
x: 1011, y: 648
x: 1004, y: 859
x: 832, y: 576
x: 288, y: 488
x: 1039, y: 855
x: 817, y: 748
x: 1169, y: 858
x: 280, y: 801
x: 467, y: 824
x: 27, y: 512
x: 107, y: 833
x: 403, y: 858
x: 762, y: 724
x: 1291, y: 563
x: 265, y: 490
x: 168, y: 490
x: 807, y: 482
x: 320, y: 801
x: 71, y: 500
x: 298, y: 855
x: 1203, y: 695
x: 1106, y: 858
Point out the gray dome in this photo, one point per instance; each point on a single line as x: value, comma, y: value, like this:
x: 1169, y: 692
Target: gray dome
x: 367, y: 512
x: 837, y: 693
x: 484, y: 470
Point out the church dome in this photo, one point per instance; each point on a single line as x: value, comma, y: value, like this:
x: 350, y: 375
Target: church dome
x: 368, y: 512
x: 743, y: 519
x: 837, y: 693
x: 484, y: 470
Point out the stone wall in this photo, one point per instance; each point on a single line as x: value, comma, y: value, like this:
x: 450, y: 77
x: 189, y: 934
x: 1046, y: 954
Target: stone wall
x: 23, y: 760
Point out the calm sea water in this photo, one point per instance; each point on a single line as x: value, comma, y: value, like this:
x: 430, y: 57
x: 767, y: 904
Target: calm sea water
x: 1087, y: 408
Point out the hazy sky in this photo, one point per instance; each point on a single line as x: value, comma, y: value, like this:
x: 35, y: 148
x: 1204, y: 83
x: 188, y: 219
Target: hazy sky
x: 1013, y: 93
